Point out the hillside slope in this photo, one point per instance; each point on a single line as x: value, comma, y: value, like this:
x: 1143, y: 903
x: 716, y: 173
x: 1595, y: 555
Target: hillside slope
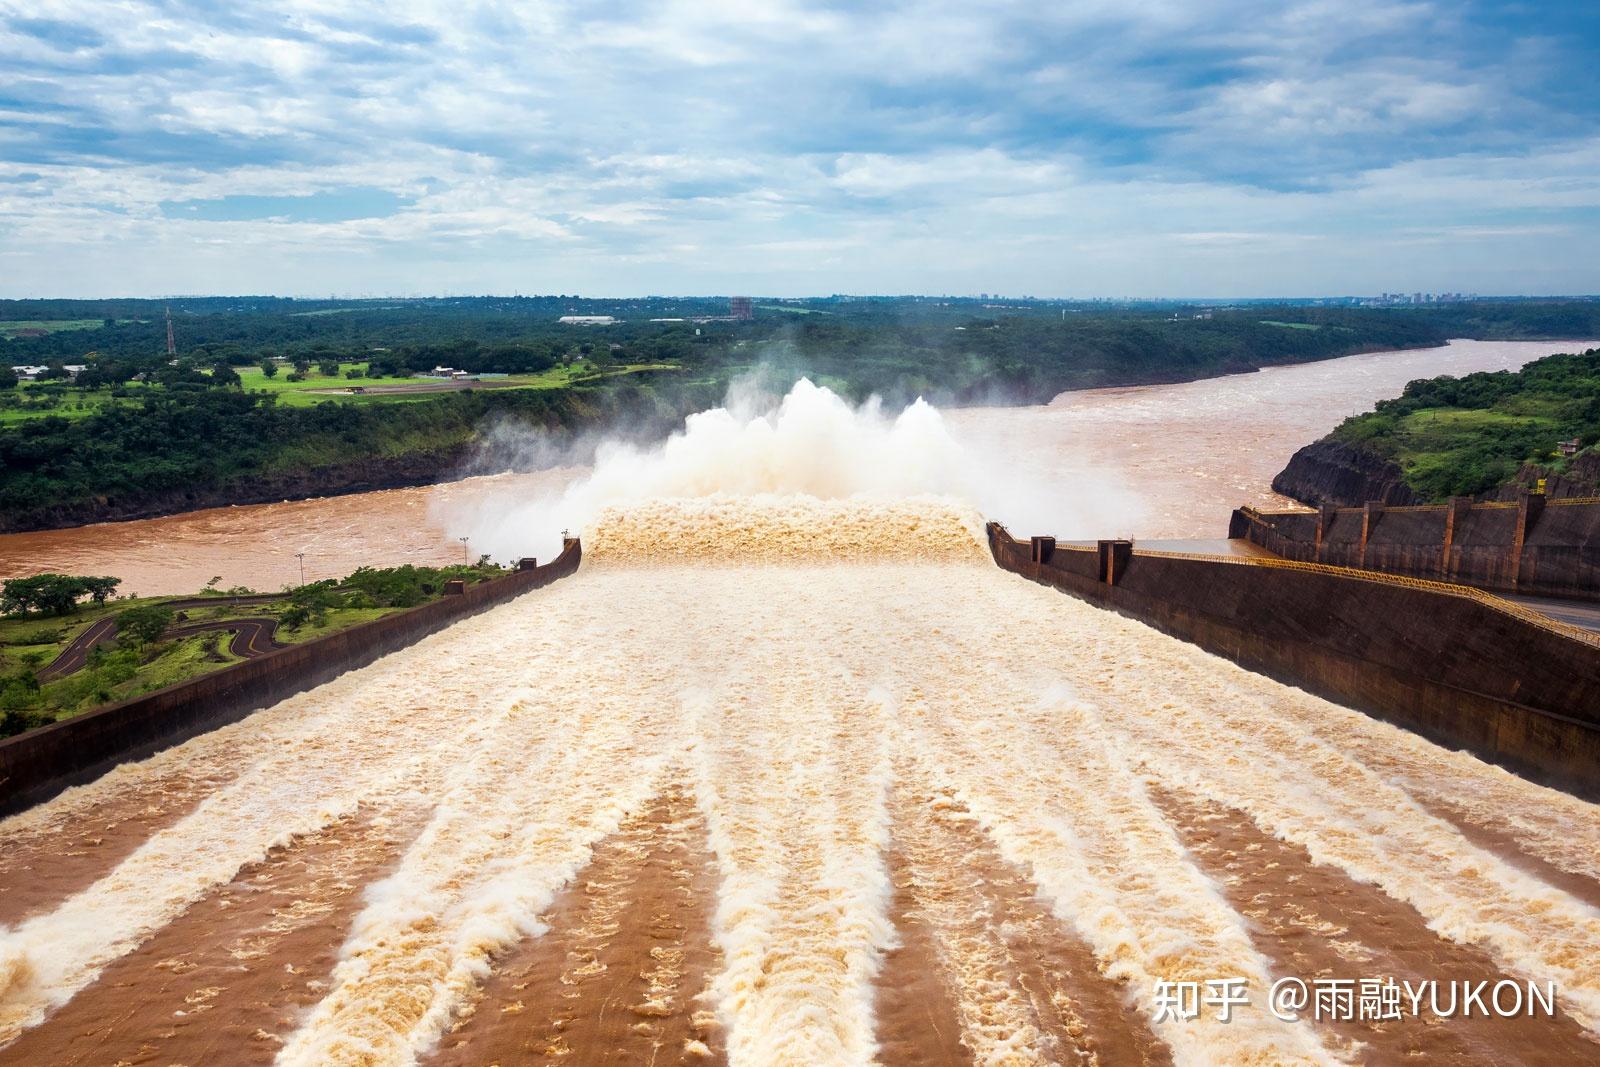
x: 1481, y: 435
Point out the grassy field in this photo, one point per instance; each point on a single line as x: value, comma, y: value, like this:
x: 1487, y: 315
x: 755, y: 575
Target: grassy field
x: 37, y: 400
x: 1293, y: 325
x: 27, y: 402
x: 13, y: 327
x: 316, y: 389
x: 1447, y: 450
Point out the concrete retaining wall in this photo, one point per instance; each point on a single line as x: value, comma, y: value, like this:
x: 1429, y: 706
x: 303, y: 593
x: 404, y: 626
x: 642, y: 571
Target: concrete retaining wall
x: 1531, y: 546
x: 1461, y: 667
x: 36, y: 765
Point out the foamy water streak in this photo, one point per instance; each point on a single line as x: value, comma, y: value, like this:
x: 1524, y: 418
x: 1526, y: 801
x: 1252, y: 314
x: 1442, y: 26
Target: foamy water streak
x: 793, y: 779
x: 1189, y: 718
x: 514, y: 824
x: 1074, y: 815
x: 294, y: 782
x: 701, y: 640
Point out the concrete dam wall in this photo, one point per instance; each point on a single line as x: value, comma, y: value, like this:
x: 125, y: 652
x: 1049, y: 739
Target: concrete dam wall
x: 36, y: 765
x: 1461, y: 667
x: 1532, y: 546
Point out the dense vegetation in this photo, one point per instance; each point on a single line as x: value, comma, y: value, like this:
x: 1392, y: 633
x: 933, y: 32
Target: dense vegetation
x: 1467, y: 436
x: 257, y: 406
x: 42, y: 615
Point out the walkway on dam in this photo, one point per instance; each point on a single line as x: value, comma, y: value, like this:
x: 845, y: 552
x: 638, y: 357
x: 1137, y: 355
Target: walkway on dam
x: 1217, y: 546
x: 1584, y: 614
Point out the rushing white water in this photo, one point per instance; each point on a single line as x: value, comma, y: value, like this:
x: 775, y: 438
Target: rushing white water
x: 808, y: 444
x: 807, y: 663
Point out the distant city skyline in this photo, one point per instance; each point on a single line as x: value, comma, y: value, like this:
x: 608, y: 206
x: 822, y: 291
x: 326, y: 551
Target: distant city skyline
x: 1234, y: 149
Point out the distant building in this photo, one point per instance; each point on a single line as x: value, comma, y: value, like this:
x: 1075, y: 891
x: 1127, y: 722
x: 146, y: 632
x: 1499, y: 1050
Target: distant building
x: 741, y: 308
x: 32, y: 372
x: 1569, y: 448
x: 587, y: 320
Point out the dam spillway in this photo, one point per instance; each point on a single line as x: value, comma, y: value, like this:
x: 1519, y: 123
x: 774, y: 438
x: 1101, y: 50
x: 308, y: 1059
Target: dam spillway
x: 779, y: 780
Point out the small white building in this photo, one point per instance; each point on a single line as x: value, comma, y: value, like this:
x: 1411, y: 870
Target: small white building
x: 587, y: 320
x: 32, y: 372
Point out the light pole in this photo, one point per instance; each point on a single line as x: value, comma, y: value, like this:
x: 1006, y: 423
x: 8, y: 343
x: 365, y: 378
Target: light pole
x: 301, y: 556
x: 464, y: 541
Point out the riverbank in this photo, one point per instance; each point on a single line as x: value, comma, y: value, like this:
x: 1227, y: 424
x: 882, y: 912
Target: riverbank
x: 295, y: 454
x: 1153, y: 462
x: 111, y: 469
x: 1487, y: 436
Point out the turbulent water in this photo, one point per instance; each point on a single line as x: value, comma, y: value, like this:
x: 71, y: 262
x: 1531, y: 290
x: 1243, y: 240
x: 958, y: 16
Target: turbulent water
x: 789, y: 773
x: 735, y: 779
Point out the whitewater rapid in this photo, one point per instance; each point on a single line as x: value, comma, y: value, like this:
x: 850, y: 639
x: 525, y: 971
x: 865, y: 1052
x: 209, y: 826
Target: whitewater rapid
x: 820, y: 717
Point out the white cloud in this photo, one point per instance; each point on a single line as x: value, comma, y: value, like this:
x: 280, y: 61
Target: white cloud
x: 1081, y: 148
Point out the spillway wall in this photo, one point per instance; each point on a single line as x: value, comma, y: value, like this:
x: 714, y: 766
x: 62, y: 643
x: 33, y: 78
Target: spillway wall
x: 1532, y: 546
x: 36, y: 765
x: 1459, y: 666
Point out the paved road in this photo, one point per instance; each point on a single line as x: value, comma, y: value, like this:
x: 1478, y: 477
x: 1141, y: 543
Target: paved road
x: 1584, y: 614
x: 251, y: 638
x: 75, y: 655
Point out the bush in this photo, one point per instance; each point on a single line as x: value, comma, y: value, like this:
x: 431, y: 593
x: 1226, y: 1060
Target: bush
x: 144, y: 625
x: 309, y: 603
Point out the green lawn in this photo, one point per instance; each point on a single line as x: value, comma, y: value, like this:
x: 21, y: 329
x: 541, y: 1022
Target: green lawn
x: 33, y: 643
x: 46, y: 637
x: 11, y: 328
x: 33, y: 400
x: 116, y: 673
x: 315, y: 388
x: 1444, y: 450
x: 303, y: 393
x: 1293, y: 325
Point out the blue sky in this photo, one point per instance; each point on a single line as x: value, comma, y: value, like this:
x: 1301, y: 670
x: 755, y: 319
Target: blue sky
x: 1136, y: 147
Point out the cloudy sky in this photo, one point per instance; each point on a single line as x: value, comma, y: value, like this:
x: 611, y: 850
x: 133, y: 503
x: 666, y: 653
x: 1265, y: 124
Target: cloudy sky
x: 1072, y: 148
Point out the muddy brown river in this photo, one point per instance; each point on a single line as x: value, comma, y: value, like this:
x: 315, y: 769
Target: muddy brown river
x: 1153, y: 462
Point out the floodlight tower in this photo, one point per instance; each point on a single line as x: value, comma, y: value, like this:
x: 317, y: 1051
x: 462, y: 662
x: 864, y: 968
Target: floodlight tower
x: 172, y: 345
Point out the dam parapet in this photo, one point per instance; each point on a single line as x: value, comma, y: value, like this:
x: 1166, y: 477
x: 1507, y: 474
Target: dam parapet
x: 1531, y: 546
x: 1458, y: 665
x: 36, y: 765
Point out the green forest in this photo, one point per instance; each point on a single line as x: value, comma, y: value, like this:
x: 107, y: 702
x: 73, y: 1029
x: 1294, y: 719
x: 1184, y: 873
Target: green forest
x: 270, y: 397
x: 1465, y: 436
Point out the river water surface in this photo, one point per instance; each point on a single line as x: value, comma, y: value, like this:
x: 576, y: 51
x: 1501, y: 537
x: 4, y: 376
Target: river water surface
x: 1153, y: 462
x: 726, y: 798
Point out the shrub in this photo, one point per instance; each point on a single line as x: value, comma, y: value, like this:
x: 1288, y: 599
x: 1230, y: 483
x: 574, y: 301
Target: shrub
x: 144, y: 625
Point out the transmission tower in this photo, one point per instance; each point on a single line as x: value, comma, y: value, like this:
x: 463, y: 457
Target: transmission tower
x: 172, y: 345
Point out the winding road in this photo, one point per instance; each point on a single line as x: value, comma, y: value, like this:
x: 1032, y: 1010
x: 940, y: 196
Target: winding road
x: 251, y: 638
